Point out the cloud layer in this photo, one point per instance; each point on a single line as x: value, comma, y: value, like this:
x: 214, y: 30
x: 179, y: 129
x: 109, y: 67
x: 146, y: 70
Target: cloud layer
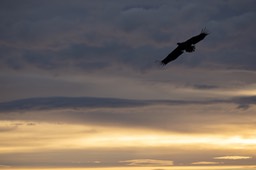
x: 96, y: 35
x: 198, y: 110
x: 53, y: 103
x: 164, y: 115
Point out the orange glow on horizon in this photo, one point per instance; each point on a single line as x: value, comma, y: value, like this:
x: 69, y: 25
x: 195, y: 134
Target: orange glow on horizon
x: 241, y: 167
x: 25, y: 138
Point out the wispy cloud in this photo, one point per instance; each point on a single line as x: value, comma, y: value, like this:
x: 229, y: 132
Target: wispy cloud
x: 148, y: 162
x: 153, y: 114
x: 206, y: 163
x: 97, y: 102
x: 5, y: 166
x: 233, y: 157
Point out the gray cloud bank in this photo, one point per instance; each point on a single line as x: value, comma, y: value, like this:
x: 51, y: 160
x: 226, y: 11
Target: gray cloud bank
x: 92, y: 35
x: 171, y: 115
x: 94, y: 102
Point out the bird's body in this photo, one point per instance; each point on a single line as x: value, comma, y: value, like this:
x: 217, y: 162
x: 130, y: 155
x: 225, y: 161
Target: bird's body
x: 188, y: 46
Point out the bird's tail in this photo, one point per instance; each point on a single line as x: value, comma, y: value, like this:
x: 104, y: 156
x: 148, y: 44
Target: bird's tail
x: 159, y: 63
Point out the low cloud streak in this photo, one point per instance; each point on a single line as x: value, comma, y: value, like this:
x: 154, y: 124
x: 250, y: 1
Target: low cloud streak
x: 94, y: 102
x: 153, y: 114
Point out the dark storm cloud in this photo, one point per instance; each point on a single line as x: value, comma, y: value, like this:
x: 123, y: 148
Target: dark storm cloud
x: 57, y: 34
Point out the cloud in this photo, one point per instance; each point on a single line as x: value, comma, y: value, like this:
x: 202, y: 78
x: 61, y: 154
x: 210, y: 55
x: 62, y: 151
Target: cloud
x: 233, y: 157
x: 5, y: 166
x: 205, y: 86
x: 129, y: 32
x: 206, y: 163
x: 7, y: 128
x: 97, y: 102
x: 74, y: 103
x: 148, y: 162
x: 245, y: 102
x: 170, y: 115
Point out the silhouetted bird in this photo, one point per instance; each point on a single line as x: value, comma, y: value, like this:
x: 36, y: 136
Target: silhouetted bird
x: 188, y: 46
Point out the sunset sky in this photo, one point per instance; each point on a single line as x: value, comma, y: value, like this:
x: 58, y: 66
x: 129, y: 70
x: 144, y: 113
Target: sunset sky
x: 81, y: 86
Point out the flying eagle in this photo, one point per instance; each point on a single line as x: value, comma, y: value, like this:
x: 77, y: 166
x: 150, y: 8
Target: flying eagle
x: 188, y: 46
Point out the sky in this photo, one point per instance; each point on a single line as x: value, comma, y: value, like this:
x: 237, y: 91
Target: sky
x: 82, y: 88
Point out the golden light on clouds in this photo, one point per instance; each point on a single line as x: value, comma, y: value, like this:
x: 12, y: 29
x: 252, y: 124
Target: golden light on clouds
x: 154, y: 140
x: 148, y: 162
x: 233, y: 157
x: 241, y: 167
x: 206, y: 163
x: 28, y: 136
x: 249, y: 91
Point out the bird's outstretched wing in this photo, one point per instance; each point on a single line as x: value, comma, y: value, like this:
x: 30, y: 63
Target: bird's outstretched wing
x: 198, y: 37
x: 188, y: 46
x: 172, y: 56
